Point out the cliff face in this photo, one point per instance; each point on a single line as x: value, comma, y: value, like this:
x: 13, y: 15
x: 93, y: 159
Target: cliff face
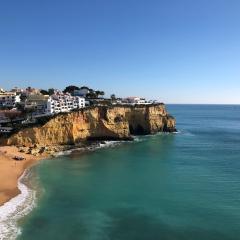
x: 115, y: 122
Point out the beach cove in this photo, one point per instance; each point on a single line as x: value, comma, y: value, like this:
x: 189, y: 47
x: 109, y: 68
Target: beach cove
x: 11, y: 170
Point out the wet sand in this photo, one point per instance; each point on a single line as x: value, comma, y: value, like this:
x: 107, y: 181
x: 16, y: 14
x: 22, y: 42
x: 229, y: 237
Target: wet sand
x: 11, y: 170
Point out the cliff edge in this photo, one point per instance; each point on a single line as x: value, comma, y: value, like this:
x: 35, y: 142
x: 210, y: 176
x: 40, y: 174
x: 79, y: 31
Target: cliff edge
x: 96, y: 123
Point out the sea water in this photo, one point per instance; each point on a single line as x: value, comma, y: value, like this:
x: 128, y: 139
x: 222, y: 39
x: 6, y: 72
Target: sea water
x: 18, y: 207
x: 183, y: 186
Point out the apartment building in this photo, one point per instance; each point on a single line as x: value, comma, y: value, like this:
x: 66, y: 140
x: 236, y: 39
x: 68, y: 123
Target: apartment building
x: 9, y: 99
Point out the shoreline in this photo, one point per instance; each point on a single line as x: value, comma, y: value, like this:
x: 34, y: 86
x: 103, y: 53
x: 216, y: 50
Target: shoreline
x: 11, y: 171
x: 17, y: 199
x: 17, y: 208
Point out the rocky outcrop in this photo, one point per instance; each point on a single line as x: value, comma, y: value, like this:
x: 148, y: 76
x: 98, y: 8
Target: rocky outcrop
x: 96, y: 123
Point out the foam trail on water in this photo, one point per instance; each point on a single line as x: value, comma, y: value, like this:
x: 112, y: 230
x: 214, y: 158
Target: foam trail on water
x: 15, y: 209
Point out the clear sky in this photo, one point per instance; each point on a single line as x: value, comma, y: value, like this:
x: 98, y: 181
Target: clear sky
x: 178, y: 51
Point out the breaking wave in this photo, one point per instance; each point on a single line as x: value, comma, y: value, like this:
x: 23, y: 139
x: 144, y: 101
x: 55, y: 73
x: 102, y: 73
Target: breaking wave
x: 15, y: 209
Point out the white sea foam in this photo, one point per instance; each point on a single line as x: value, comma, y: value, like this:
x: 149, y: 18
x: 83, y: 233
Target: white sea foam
x: 11, y: 212
x: 138, y: 139
x: 62, y: 153
x: 104, y: 144
x: 178, y: 132
x: 144, y: 137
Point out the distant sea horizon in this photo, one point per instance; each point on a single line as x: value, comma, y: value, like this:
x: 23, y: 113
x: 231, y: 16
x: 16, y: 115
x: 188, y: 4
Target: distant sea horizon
x: 227, y: 104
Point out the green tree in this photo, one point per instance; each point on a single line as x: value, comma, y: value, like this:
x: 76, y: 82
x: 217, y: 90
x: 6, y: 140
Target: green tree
x: 84, y: 87
x: 113, y: 97
x: 23, y: 97
x: 70, y: 89
x: 99, y: 93
x: 50, y: 91
x: 44, y: 92
x: 91, y: 94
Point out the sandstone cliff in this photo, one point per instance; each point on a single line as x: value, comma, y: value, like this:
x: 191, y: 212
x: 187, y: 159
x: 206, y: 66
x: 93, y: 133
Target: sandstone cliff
x: 109, y: 123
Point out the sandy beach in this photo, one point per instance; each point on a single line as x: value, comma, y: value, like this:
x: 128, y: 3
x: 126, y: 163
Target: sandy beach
x: 11, y: 170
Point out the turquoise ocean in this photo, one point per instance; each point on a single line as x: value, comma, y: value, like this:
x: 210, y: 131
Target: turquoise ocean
x: 181, y: 186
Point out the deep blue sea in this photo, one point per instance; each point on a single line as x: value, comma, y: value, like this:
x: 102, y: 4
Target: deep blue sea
x: 183, y: 186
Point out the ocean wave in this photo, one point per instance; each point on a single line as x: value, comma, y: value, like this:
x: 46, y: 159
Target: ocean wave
x: 63, y: 153
x: 187, y: 133
x: 12, y: 211
x: 178, y: 132
x: 104, y: 144
x: 181, y: 132
x: 146, y: 137
x: 138, y: 139
x: 92, y: 147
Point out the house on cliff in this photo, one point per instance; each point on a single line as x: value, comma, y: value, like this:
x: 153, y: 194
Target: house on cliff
x: 135, y: 100
x: 9, y: 99
x: 58, y: 102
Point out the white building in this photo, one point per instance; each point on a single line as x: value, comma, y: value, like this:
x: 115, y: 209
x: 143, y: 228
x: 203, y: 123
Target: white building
x: 135, y: 100
x: 9, y: 99
x: 36, y: 103
x: 82, y: 92
x: 60, y: 102
x: 17, y: 90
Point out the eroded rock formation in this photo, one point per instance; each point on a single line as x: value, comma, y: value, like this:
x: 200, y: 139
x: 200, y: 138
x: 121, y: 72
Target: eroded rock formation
x: 102, y: 123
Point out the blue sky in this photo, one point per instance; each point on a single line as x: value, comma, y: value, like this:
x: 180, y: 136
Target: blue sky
x: 178, y: 51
